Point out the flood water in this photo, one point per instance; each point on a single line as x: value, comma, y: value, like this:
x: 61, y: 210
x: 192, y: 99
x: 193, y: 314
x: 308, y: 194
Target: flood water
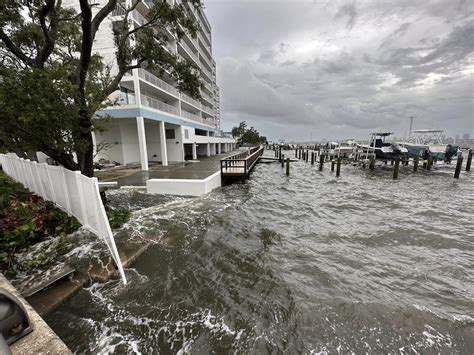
x: 305, y: 264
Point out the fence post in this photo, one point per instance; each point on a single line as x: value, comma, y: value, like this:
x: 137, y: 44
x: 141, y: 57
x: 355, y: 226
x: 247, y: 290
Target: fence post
x: 85, y: 219
x: 53, y: 192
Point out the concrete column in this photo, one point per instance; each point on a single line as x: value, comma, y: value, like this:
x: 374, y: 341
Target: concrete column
x: 218, y: 148
x: 194, y: 151
x: 164, y: 152
x: 142, y: 143
x: 208, y: 153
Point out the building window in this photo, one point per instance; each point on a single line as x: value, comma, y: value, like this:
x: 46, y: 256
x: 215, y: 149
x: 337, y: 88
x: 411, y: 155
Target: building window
x: 169, y: 134
x: 186, y: 134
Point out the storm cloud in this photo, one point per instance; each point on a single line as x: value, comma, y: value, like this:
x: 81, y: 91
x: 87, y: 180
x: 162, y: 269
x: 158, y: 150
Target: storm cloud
x: 302, y: 69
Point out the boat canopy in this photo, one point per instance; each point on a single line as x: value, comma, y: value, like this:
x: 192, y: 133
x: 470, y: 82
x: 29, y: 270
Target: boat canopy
x: 427, y: 131
x: 382, y: 134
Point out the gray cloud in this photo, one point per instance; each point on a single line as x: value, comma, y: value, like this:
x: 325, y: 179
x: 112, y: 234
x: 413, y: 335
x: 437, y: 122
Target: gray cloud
x: 301, y: 68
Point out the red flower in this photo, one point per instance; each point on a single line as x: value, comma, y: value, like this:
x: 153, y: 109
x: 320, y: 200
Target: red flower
x: 33, y: 198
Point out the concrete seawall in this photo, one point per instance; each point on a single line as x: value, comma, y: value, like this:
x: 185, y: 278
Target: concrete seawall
x: 42, y: 340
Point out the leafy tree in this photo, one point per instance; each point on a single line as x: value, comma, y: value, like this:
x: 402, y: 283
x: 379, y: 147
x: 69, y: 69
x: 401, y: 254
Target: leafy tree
x: 239, y: 131
x: 247, y: 136
x: 52, y: 83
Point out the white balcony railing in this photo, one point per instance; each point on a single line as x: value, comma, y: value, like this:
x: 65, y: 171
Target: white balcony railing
x: 205, y: 59
x: 190, y: 100
x: 207, y: 72
x: 188, y: 50
x: 191, y: 116
x: 207, y: 110
x: 152, y: 79
x: 207, y: 97
x: 158, y: 105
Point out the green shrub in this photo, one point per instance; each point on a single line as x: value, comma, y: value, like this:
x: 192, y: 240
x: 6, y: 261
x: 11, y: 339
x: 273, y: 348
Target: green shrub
x: 118, y: 217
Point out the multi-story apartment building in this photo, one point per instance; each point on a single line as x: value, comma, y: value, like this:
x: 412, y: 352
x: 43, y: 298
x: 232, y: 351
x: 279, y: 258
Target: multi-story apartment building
x: 154, y: 121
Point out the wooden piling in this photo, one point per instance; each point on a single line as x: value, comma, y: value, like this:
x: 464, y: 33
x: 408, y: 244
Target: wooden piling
x: 457, y: 172
x: 321, y: 162
x: 333, y: 162
x: 296, y: 152
x: 430, y: 162
x: 312, y: 158
x: 396, y: 168
x: 299, y: 153
x: 338, y: 167
x: 287, y: 166
x: 469, y: 159
x: 372, y: 163
x: 283, y: 160
x: 307, y: 154
x: 416, y: 161
x: 391, y: 162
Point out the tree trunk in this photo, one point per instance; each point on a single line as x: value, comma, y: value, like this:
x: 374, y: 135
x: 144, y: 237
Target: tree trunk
x: 86, y: 157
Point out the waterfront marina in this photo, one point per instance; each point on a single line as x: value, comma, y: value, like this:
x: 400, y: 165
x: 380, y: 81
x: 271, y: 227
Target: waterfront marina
x: 309, y: 263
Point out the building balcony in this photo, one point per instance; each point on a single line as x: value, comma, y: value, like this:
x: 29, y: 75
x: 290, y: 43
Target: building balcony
x: 157, y: 82
x: 207, y: 97
x: 191, y: 116
x: 188, y: 50
x: 205, y: 60
x: 158, y: 105
x: 205, y: 45
x: 207, y: 110
x: 191, y: 101
x: 207, y: 72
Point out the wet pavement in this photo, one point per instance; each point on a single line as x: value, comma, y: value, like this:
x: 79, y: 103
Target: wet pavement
x: 198, y: 169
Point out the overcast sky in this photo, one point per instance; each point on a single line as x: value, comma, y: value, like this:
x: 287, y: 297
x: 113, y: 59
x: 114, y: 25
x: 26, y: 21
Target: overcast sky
x: 301, y: 69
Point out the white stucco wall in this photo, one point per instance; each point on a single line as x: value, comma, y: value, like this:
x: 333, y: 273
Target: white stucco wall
x: 184, y: 187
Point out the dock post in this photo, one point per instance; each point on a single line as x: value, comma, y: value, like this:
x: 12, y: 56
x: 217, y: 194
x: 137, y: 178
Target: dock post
x: 321, y: 162
x: 372, y: 163
x: 287, y: 166
x: 338, y: 167
x: 307, y: 154
x: 280, y: 153
x: 312, y: 158
x: 395, y: 169
x: 283, y: 160
x: 430, y: 162
x: 469, y: 159
x: 299, y: 153
x: 457, y: 172
x: 333, y: 162
x: 391, y: 162
x: 416, y: 161
x: 296, y: 152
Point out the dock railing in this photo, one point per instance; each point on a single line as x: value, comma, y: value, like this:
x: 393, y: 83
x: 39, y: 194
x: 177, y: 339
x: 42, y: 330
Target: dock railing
x: 240, y: 164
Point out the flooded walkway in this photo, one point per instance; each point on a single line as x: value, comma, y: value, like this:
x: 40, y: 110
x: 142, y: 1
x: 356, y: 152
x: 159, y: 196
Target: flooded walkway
x: 198, y: 169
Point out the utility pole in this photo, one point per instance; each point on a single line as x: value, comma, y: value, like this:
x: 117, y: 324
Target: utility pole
x: 411, y: 125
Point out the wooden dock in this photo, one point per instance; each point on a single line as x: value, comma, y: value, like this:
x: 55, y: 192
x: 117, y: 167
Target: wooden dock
x: 239, y: 165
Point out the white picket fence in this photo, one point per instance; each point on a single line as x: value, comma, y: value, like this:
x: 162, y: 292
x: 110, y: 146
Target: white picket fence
x: 71, y: 191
